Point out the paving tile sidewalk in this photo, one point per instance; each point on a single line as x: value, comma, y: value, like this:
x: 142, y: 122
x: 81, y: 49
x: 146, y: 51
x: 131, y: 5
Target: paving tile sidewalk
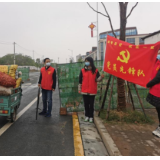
x: 92, y: 142
x: 135, y: 140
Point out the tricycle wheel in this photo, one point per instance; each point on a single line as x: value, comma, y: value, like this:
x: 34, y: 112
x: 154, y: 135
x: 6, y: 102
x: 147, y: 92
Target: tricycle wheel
x: 13, y: 115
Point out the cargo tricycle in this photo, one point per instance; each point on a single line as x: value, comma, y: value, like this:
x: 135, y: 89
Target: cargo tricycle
x: 9, y: 104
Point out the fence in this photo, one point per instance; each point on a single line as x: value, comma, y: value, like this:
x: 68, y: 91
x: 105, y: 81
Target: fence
x: 68, y: 80
x: 25, y: 73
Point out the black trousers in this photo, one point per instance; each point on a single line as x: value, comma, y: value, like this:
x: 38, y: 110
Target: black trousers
x: 158, y: 111
x: 89, y: 105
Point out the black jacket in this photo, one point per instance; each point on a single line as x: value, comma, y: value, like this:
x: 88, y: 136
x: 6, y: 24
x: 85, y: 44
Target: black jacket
x: 154, y: 81
x: 53, y: 76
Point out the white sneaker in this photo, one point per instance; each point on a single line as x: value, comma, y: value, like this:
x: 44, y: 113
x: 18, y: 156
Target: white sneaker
x: 91, y: 120
x: 86, y: 119
x: 157, y: 132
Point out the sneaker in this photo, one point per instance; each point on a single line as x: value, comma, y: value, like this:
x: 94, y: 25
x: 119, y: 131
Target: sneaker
x: 91, y: 120
x: 157, y: 132
x: 42, y: 113
x: 48, y: 115
x: 86, y: 119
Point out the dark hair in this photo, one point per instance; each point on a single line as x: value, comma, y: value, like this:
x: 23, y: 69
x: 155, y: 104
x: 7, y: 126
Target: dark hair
x: 90, y: 59
x: 45, y: 60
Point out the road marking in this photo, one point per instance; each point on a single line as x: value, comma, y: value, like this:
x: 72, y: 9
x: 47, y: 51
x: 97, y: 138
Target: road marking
x: 78, y: 146
x: 9, y: 124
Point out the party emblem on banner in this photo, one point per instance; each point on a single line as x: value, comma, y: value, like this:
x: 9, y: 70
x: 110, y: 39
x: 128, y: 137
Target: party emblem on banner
x: 125, y: 59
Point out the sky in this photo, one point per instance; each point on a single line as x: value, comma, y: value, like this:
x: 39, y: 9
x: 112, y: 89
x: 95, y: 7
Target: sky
x: 50, y: 29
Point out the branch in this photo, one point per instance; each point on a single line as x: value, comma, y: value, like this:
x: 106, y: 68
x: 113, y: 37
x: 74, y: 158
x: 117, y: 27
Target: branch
x: 96, y: 11
x: 132, y: 10
x: 109, y: 20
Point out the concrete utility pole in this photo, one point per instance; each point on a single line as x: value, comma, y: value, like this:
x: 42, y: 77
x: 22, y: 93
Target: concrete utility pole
x: 14, y: 53
x: 33, y: 54
x: 58, y: 59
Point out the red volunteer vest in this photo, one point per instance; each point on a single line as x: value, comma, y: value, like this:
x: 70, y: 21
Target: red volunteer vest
x: 47, y: 80
x: 89, y: 84
x: 155, y: 90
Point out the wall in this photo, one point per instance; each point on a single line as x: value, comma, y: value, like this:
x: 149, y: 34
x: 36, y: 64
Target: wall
x: 152, y: 39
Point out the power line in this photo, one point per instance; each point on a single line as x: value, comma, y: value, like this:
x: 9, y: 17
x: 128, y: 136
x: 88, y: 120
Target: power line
x: 24, y: 48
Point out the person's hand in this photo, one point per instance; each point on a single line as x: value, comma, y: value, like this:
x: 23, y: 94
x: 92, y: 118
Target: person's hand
x: 53, y: 90
x: 39, y: 85
x: 102, y: 75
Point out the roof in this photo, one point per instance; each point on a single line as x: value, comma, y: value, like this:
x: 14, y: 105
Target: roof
x: 127, y: 28
x: 152, y: 34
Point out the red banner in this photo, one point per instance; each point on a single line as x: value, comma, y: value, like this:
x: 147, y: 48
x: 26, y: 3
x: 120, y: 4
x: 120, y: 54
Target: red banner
x: 133, y: 63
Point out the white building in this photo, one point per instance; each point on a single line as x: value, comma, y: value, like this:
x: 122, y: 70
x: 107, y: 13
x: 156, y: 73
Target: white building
x: 152, y: 38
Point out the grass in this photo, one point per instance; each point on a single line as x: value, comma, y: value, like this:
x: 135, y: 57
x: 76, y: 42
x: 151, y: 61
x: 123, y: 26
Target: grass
x: 134, y: 117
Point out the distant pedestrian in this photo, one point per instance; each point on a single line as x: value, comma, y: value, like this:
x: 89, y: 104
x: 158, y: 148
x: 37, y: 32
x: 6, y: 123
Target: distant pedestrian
x: 47, y: 81
x: 88, y: 78
x: 154, y: 92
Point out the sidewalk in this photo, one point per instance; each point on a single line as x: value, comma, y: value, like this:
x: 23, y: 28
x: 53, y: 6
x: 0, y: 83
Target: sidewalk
x: 92, y: 142
x: 135, y: 140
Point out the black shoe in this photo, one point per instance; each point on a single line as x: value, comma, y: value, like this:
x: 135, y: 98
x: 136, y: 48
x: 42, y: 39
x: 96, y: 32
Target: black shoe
x: 42, y: 113
x: 48, y: 115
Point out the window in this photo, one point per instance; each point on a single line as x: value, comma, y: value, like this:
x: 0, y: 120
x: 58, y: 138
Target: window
x: 103, y: 36
x: 131, y: 40
x: 131, y: 32
x: 141, y: 41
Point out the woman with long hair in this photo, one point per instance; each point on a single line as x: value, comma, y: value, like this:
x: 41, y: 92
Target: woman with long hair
x: 88, y: 78
x: 154, y: 91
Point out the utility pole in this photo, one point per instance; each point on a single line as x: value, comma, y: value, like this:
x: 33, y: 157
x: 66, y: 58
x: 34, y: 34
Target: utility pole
x: 66, y: 60
x: 58, y: 59
x: 33, y: 54
x: 14, y: 53
x: 97, y: 35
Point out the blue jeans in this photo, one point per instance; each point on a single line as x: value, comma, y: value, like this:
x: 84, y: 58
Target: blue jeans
x: 47, y: 97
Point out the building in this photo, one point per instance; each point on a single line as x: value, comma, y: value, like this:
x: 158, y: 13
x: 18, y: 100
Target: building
x: 132, y: 37
x: 92, y: 53
x: 152, y: 38
x: 80, y: 57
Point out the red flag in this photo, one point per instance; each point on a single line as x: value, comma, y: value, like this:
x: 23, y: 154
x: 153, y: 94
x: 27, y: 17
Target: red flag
x: 133, y: 63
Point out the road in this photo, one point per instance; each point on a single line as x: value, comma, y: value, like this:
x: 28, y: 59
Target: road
x: 45, y: 137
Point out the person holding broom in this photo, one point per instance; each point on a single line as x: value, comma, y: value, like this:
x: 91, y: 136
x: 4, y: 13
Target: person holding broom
x: 88, y: 78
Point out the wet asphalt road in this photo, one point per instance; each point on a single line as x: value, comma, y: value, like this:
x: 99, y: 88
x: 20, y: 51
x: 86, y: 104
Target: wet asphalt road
x: 44, y: 137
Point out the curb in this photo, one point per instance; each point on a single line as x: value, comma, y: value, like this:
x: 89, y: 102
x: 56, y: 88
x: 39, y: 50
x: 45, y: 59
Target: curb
x: 78, y: 145
x: 107, y: 139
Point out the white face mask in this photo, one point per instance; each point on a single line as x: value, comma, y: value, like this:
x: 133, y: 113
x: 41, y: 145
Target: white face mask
x: 48, y: 64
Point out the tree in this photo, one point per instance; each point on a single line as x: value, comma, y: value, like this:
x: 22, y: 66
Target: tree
x: 80, y: 59
x: 123, y: 21
x: 38, y: 62
x: 20, y: 60
x: 71, y: 60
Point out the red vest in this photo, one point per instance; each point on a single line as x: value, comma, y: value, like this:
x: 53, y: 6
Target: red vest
x: 89, y: 84
x: 47, y: 80
x: 155, y: 90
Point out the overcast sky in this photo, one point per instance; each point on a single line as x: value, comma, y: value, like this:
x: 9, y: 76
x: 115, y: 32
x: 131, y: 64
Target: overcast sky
x: 52, y: 28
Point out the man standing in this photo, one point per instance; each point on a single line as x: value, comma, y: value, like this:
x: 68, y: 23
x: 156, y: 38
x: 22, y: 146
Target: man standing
x: 47, y: 81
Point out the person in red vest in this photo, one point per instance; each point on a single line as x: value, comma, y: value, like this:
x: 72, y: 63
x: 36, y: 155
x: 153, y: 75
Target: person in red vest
x: 88, y: 78
x: 47, y: 81
x: 154, y: 91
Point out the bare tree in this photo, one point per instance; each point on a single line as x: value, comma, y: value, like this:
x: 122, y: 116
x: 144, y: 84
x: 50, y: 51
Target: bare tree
x: 123, y: 21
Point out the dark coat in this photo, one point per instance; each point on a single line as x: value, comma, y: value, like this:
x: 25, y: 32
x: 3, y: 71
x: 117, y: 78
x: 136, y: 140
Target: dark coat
x: 153, y: 100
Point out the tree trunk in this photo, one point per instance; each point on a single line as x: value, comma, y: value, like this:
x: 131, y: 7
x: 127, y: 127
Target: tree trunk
x: 120, y: 82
